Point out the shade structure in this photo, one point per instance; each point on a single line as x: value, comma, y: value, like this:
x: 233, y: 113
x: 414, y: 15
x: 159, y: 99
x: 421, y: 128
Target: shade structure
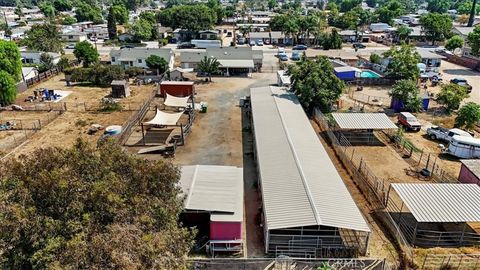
x: 236, y: 63
x: 172, y: 101
x: 164, y: 119
x: 376, y: 121
x: 441, y: 202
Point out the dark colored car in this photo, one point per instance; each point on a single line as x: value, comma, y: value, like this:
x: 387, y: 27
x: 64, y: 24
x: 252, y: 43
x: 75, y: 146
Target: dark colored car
x: 127, y: 47
x: 462, y: 82
x: 185, y: 45
x: 358, y: 46
x: 300, y: 47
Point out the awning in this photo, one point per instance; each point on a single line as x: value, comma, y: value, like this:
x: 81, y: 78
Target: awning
x: 164, y: 119
x: 244, y: 63
x: 173, y: 101
x: 376, y: 121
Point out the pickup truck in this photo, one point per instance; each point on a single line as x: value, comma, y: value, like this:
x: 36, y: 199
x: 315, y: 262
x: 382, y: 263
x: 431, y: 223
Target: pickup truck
x: 444, y: 134
x: 409, y: 121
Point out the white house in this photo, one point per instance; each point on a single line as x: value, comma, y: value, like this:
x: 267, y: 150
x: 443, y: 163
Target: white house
x: 74, y: 36
x: 29, y: 72
x: 33, y: 57
x: 136, y: 57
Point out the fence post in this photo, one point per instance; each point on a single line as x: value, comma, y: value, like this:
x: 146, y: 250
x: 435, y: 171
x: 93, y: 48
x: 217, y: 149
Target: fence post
x: 39, y: 124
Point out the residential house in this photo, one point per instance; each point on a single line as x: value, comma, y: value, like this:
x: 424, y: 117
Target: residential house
x: 73, y: 36
x: 98, y: 31
x: 208, y: 34
x: 33, y: 57
x: 136, y: 57
x: 233, y: 60
x: 29, y: 72
x: 82, y: 25
x: 352, y: 35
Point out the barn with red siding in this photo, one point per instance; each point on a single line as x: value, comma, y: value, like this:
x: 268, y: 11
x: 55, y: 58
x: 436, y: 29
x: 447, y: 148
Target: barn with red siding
x: 214, y: 205
x: 177, y: 88
x: 470, y: 171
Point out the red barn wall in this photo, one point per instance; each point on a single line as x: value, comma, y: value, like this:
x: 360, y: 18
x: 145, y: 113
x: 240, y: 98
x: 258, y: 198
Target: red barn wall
x: 177, y: 90
x: 225, y: 230
x: 467, y: 177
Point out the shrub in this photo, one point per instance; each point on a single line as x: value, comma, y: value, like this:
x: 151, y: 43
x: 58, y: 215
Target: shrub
x: 134, y: 71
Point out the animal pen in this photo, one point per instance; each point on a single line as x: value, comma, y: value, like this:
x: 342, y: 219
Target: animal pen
x: 358, y: 128
x: 307, y: 209
x: 436, y: 215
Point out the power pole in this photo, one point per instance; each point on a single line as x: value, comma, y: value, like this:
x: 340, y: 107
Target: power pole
x: 472, y: 14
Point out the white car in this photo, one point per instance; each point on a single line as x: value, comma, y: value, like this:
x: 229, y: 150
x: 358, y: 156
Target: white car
x: 70, y: 46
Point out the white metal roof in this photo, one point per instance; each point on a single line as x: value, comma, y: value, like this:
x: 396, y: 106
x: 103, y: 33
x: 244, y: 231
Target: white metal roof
x: 363, y: 121
x: 441, y: 202
x: 236, y: 63
x: 300, y: 185
x: 216, y: 189
x: 173, y: 101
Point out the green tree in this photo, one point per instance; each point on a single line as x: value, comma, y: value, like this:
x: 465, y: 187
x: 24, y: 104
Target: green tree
x: 91, y: 208
x: 111, y: 24
x: 43, y: 38
x: 372, y: 3
x: 451, y: 95
x: 439, y: 6
x: 47, y: 9
x: 85, y: 12
x: 209, y: 66
x: 436, y: 26
x: 272, y: 4
x: 315, y: 83
x: 157, y: 63
x: 68, y: 20
x: 85, y: 53
x: 346, y: 5
x: 389, y: 11
x: 192, y: 18
x: 406, y: 91
x: 454, y: 42
x: 466, y: 7
x: 46, y: 62
x: 402, y: 62
x: 468, y: 116
x: 142, y: 29
x: 375, y: 58
x: 63, y: 5
x: 403, y: 32
x: 121, y: 13
x: 63, y: 63
x: 10, y: 59
x: 18, y: 11
x: 474, y: 41
x: 8, y: 89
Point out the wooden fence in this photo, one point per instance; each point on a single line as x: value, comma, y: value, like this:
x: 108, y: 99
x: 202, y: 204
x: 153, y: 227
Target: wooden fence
x: 47, y: 74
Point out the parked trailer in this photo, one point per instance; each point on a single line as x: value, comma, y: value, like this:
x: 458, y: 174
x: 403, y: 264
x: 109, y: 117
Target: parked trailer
x: 464, y: 147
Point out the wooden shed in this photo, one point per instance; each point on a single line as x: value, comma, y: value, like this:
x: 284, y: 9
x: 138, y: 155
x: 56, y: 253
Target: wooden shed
x: 120, y: 89
x: 177, y: 88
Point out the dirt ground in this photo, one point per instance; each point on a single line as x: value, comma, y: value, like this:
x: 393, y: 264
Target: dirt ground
x: 72, y: 124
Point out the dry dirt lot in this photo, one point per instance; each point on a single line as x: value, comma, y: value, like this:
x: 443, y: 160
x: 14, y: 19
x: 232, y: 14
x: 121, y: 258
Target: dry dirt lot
x: 72, y: 124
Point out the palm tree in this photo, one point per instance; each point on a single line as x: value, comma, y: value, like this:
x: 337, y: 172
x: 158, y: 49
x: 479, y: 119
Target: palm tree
x: 209, y: 66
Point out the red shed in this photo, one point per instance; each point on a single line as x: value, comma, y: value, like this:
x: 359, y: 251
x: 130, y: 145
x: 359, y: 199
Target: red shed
x: 214, y: 204
x: 470, y: 171
x: 177, y: 88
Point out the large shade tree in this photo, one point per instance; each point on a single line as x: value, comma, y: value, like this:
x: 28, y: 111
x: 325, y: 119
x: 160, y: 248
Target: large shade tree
x: 468, y: 116
x: 192, y: 18
x: 451, y: 95
x: 406, y: 91
x: 157, y: 63
x: 474, y: 40
x: 436, y: 26
x: 8, y: 88
x: 10, y: 59
x: 43, y: 38
x: 85, y: 53
x: 90, y: 208
x: 315, y: 83
x: 402, y: 62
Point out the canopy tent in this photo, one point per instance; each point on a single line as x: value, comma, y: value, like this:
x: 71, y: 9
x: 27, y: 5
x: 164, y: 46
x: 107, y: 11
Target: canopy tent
x: 173, y: 101
x: 164, y: 119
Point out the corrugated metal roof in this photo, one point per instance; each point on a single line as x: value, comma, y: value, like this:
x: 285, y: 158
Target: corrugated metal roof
x: 299, y: 182
x: 473, y: 165
x: 441, y: 202
x: 216, y: 189
x: 363, y: 121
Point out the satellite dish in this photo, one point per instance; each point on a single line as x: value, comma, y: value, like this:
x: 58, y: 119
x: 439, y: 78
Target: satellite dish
x: 458, y: 51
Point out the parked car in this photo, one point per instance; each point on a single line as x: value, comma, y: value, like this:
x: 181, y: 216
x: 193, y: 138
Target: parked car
x: 267, y: 42
x: 464, y: 147
x: 281, y: 50
x: 241, y: 41
x: 296, y: 55
x: 252, y: 43
x: 358, y: 45
x: 127, y: 47
x: 462, y: 82
x: 409, y: 121
x: 445, y: 134
x: 283, y: 57
x: 259, y: 42
x: 70, y: 46
x: 300, y: 47
x: 185, y: 45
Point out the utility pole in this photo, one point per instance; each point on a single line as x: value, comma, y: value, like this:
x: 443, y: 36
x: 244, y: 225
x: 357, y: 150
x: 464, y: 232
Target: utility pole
x: 472, y: 14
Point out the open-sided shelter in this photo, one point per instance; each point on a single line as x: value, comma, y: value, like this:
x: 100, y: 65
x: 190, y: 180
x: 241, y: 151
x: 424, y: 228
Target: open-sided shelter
x: 307, y: 209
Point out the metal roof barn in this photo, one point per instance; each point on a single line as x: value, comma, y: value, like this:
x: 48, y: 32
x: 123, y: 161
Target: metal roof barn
x: 300, y: 185
x: 378, y: 121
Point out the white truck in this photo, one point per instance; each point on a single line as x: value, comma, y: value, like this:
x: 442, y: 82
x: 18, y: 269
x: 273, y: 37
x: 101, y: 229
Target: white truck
x: 444, y: 134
